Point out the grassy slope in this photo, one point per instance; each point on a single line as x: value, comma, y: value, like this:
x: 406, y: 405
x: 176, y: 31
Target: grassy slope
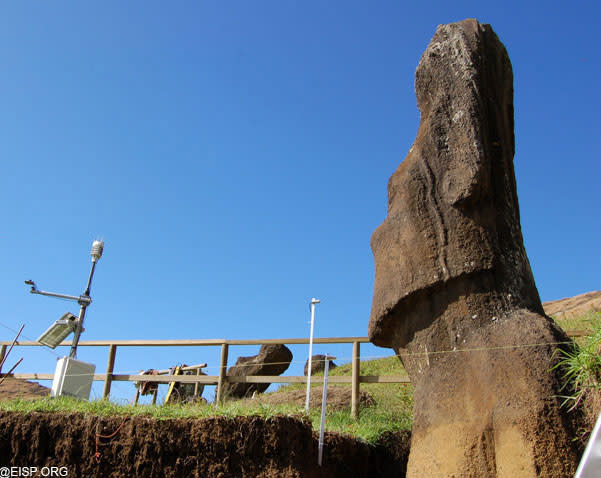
x: 392, y: 410
x: 582, y: 322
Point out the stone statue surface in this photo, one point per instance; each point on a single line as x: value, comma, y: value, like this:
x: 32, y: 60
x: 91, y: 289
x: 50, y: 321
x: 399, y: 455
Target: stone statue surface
x: 454, y: 293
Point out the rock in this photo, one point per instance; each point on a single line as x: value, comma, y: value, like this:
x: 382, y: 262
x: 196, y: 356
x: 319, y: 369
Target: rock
x: 318, y: 364
x: 271, y: 360
x: 454, y: 294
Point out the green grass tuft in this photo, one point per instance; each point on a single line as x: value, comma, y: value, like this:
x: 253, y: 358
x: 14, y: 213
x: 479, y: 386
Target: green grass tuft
x: 581, y: 364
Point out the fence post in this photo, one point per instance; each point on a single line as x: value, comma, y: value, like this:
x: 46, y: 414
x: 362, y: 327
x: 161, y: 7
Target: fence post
x: 196, y: 385
x: 355, y: 380
x: 109, y: 370
x: 2, y: 353
x: 222, y: 373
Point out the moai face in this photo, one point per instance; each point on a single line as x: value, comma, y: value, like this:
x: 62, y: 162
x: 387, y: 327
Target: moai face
x: 452, y: 203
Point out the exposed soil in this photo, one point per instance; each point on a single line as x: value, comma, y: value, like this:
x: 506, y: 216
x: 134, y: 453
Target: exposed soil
x: 12, y: 388
x: 282, y: 447
x: 573, y: 306
x: 589, y: 410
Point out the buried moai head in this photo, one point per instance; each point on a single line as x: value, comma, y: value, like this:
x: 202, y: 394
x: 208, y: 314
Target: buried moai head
x: 453, y: 223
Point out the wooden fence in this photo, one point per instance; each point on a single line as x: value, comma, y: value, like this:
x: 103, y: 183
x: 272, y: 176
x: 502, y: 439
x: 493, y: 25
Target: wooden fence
x: 108, y: 377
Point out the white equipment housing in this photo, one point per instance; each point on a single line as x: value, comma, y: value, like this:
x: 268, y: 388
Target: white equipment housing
x: 72, y: 378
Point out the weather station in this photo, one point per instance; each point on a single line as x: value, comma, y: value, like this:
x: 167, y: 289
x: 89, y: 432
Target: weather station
x: 72, y: 377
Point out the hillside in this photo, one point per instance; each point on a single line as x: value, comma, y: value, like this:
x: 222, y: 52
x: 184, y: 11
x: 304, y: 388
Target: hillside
x: 12, y: 388
x: 573, y: 307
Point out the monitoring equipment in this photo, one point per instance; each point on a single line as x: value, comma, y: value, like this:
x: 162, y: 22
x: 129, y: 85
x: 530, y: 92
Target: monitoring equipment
x: 314, y: 302
x: 72, y: 378
x: 59, y: 331
x: 68, y: 323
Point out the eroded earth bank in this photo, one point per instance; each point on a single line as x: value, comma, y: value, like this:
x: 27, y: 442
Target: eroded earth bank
x: 242, y: 447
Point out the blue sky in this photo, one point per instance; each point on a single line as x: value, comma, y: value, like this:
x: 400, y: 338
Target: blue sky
x: 235, y: 155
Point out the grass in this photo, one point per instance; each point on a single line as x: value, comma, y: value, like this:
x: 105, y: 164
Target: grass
x: 105, y: 408
x: 582, y: 363
x: 582, y: 322
x: 392, y: 410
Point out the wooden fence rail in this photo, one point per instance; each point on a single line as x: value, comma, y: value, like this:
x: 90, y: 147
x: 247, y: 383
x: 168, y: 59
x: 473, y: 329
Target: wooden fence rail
x: 355, y: 379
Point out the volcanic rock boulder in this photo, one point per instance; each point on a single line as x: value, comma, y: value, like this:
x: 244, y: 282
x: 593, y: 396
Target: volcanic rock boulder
x: 318, y: 364
x: 271, y: 360
x: 454, y: 294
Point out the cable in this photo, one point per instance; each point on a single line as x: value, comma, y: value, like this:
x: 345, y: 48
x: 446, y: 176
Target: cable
x: 409, y: 354
x: 97, y: 455
x: 50, y: 351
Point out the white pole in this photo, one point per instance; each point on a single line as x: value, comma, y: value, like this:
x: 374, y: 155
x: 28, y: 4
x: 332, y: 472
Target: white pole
x: 591, y: 458
x: 324, y: 399
x: 313, y: 302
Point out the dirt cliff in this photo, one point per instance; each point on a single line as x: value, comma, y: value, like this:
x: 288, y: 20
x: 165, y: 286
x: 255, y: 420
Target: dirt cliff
x: 242, y: 447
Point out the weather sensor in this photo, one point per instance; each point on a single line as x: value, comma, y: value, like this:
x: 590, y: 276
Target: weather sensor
x: 68, y: 323
x: 72, y: 377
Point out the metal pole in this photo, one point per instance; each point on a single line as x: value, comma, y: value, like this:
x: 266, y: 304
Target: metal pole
x: 355, y: 378
x: 109, y: 371
x: 78, y: 330
x: 84, y: 302
x: 591, y: 458
x: 87, y: 291
x: 324, y: 399
x: 308, y: 395
x: 54, y: 294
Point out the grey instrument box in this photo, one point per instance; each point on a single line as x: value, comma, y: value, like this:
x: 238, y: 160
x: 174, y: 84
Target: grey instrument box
x: 72, y: 378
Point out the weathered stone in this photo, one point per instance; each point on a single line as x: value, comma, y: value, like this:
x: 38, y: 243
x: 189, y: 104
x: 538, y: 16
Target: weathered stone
x: 271, y: 360
x: 454, y: 294
x: 318, y: 364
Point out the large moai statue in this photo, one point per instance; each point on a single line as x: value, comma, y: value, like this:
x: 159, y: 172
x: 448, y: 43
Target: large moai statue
x: 454, y: 294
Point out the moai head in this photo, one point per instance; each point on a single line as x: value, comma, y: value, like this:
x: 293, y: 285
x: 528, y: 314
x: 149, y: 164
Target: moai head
x: 453, y: 223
